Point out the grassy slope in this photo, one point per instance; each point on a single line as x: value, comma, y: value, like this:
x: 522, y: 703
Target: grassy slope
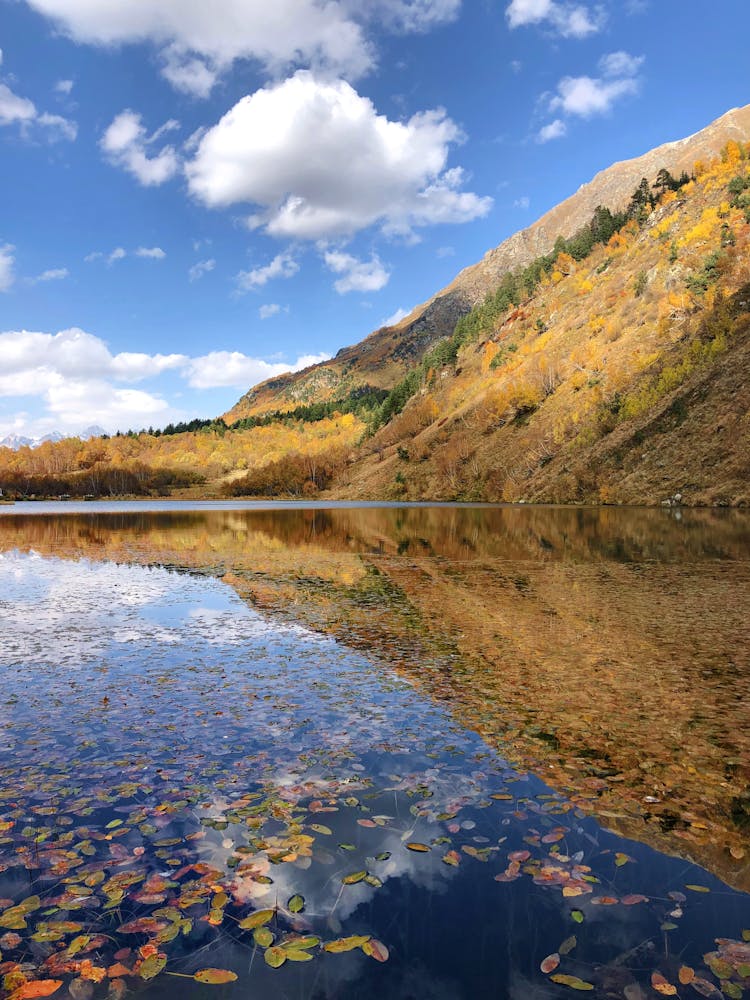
x: 618, y: 381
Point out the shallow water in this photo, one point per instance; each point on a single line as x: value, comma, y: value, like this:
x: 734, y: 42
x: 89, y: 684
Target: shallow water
x: 207, y: 713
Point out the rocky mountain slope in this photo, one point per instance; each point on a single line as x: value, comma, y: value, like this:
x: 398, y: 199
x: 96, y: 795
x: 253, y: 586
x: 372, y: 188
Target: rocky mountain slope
x: 382, y: 358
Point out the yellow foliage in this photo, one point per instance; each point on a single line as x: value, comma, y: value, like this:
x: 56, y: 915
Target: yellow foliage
x: 491, y: 350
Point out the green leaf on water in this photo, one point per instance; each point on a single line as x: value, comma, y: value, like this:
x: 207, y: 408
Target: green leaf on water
x: 354, y: 878
x: 263, y: 937
x: 275, y: 957
x: 215, y: 977
x: 296, y: 904
x: 152, y: 966
x: 257, y: 919
x: 346, y: 944
x: 577, y: 915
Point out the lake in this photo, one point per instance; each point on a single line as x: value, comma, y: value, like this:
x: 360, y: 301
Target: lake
x: 326, y: 751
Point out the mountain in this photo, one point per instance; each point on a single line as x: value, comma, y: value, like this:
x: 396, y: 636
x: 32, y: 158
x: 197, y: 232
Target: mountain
x: 16, y: 441
x: 383, y: 357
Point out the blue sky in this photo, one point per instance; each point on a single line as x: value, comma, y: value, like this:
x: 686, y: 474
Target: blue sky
x: 196, y: 196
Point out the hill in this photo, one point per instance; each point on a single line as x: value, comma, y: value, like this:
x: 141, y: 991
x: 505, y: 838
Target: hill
x: 383, y: 357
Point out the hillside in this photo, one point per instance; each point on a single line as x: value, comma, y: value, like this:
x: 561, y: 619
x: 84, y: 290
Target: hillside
x: 386, y: 354
x: 623, y: 377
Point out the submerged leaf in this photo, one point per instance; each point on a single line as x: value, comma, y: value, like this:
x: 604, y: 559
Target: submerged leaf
x: 550, y: 963
x: 375, y: 949
x: 572, y: 981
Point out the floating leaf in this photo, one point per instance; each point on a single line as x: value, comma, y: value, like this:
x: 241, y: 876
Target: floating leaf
x: 621, y: 859
x: 301, y: 943
x: 662, y: 985
x: 215, y: 977
x: 296, y: 904
x: 346, y: 944
x: 416, y: 846
x: 686, y: 975
x: 568, y: 945
x: 550, y: 963
x: 375, y: 949
x: 572, y: 981
x: 297, y: 955
x: 451, y: 858
x: 275, y: 957
x: 263, y: 937
x: 698, y: 888
x: 633, y: 899
x: 706, y: 989
x: 354, y: 878
x: 319, y: 828
x: 257, y: 919
x: 152, y: 966
x: 577, y: 915
x: 38, y: 988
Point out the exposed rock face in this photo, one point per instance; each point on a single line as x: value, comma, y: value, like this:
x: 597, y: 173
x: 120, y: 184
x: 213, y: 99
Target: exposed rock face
x: 383, y: 357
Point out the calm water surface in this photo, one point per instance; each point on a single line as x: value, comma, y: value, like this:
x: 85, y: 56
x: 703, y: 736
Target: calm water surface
x: 428, y: 747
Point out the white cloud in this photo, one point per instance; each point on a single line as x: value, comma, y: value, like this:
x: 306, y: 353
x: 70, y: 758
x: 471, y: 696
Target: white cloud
x: 119, y: 253
x: 445, y: 252
x: 79, y: 381
x: 126, y: 142
x: 63, y: 87
x: 7, y: 262
x: 523, y: 202
x: 58, y: 127
x: 53, y: 274
x: 198, y: 42
x: 568, y: 19
x: 555, y: 130
x: 395, y: 318
x: 282, y: 149
x: 357, y: 275
x: 151, y: 253
x: 202, y: 267
x: 23, y: 112
x: 586, y: 96
x: 407, y: 15
x: 14, y: 108
x: 272, y: 309
x: 232, y: 368
x: 619, y: 64
x: 282, y: 266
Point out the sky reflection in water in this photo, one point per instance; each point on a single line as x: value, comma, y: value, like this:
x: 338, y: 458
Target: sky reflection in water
x: 152, y: 722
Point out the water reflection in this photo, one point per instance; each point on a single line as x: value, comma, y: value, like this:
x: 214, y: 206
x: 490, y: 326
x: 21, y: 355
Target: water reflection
x: 174, y: 762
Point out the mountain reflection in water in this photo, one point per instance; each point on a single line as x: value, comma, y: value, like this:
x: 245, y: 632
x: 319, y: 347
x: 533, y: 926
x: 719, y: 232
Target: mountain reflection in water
x: 605, y: 651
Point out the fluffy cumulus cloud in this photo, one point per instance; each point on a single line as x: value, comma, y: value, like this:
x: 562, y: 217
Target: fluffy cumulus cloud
x: 283, y: 265
x: 20, y: 111
x: 198, y: 41
x: 80, y: 382
x: 151, y: 253
x: 570, y: 20
x: 281, y: 150
x: 356, y: 275
x: 555, y: 130
x: 127, y: 144
x: 7, y: 265
x: 232, y: 368
x: 587, y: 96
